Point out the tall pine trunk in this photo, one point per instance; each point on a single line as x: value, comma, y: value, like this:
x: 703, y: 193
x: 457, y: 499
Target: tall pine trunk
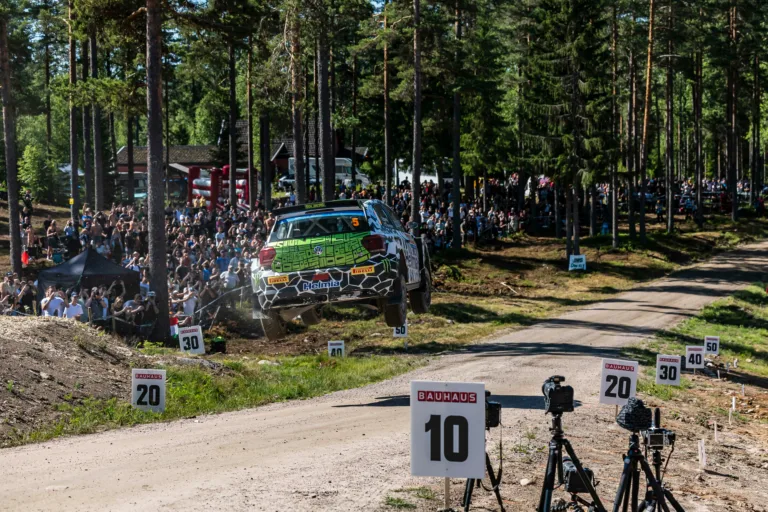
x: 354, y: 126
x: 232, y: 127
x: 732, y: 117
x: 48, y: 117
x: 98, y: 145
x: 74, y: 156
x: 155, y: 173
x: 327, y: 158
x: 252, y: 187
x: 131, y: 188
x: 9, y: 131
x: 416, y: 165
x: 456, y: 136
x: 670, y: 135
x: 387, y: 121
x: 697, y: 111
x: 576, y: 219
x: 568, y: 222
x: 630, y: 157
x: 87, y: 140
x: 646, y: 115
x: 614, y: 121
x: 316, y: 100
x: 296, y: 121
x: 756, y: 116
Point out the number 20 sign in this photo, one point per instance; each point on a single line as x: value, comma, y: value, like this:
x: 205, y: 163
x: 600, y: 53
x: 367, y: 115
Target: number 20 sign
x: 618, y: 381
x: 447, y: 429
x: 148, y: 390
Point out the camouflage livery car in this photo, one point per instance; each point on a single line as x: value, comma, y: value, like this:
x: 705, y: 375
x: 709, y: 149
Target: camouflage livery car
x: 339, y: 251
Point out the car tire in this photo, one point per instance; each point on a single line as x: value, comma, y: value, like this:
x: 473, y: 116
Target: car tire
x: 312, y: 316
x: 395, y: 314
x: 421, y: 298
x: 273, y: 325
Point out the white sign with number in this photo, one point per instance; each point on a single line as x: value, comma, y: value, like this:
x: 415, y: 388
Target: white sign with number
x: 694, y: 357
x: 577, y: 262
x: 712, y: 345
x: 400, y: 332
x: 448, y: 429
x: 191, y: 340
x: 148, y: 390
x: 668, y: 370
x: 618, y: 381
x: 336, y: 348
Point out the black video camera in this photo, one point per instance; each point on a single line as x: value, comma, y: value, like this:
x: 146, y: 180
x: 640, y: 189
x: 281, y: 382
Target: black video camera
x: 635, y: 416
x: 657, y: 438
x: 557, y: 399
x: 492, y: 412
x: 573, y: 482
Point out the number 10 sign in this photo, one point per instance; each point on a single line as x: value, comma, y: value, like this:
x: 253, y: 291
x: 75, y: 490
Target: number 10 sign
x: 618, y: 381
x: 448, y: 429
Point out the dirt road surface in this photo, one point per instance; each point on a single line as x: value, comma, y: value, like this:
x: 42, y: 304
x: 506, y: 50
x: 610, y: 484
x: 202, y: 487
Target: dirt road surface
x: 347, y: 450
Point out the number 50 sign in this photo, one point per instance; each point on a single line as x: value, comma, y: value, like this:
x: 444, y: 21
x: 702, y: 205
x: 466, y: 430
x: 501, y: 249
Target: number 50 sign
x: 447, y: 429
x: 618, y: 381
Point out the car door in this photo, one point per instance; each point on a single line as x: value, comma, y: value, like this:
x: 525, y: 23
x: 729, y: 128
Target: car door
x: 405, y: 241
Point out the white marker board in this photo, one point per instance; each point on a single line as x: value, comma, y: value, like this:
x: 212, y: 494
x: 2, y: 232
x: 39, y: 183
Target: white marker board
x: 400, y: 332
x: 577, y: 262
x: 336, y: 348
x: 694, y: 357
x: 448, y: 429
x: 618, y: 381
x: 712, y: 345
x: 148, y: 390
x: 668, y: 370
x: 191, y: 340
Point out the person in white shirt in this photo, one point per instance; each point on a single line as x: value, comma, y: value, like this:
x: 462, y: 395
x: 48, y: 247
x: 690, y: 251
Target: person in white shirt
x: 73, y: 310
x: 52, y: 304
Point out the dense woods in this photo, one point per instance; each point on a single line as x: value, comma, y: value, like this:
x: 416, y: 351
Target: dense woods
x: 584, y: 91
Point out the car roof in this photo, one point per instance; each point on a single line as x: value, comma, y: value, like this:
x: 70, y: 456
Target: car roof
x: 322, y: 206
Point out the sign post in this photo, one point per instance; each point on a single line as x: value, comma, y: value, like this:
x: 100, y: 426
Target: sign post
x: 712, y: 345
x: 618, y: 381
x: 336, y: 348
x: 148, y: 390
x: 448, y: 430
x: 668, y: 370
x: 577, y: 262
x: 694, y: 358
x: 191, y: 340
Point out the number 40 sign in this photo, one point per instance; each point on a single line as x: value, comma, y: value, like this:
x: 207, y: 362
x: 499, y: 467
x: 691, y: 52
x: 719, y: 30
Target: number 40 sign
x: 447, y: 429
x: 618, y: 381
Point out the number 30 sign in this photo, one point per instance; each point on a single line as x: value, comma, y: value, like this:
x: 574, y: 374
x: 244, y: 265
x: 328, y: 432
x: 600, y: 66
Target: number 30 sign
x: 618, y: 381
x: 447, y: 429
x: 148, y: 390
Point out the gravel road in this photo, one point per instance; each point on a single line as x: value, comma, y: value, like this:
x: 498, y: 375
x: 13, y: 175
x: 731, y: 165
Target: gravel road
x: 346, y: 450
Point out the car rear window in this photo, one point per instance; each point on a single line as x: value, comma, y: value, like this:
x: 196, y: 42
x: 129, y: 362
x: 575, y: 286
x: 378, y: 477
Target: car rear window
x: 319, y: 224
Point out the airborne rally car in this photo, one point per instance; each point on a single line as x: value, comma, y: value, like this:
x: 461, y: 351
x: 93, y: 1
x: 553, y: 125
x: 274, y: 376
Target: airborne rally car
x: 340, y: 251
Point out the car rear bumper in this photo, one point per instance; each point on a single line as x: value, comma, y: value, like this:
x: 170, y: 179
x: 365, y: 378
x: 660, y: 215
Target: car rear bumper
x: 294, y: 289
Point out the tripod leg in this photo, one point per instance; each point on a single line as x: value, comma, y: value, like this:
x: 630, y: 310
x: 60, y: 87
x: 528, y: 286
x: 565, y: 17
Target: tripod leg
x: 673, y: 501
x: 635, y: 486
x: 545, y: 502
x: 495, y: 483
x: 655, y: 485
x: 468, y: 493
x: 624, y: 485
x: 582, y: 474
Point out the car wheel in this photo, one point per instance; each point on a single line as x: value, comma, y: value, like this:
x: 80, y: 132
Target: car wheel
x: 273, y: 325
x: 312, y: 316
x: 421, y: 298
x: 394, y: 314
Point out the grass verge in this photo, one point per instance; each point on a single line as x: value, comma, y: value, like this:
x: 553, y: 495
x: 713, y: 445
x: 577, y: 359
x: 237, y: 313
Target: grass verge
x: 236, y: 384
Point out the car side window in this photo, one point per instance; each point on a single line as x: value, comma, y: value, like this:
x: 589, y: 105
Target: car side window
x: 382, y: 215
x: 393, y: 218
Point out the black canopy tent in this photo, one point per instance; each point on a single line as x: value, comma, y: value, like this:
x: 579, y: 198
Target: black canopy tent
x: 88, y: 269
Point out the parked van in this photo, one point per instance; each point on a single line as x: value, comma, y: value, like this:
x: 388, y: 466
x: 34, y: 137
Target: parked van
x: 343, y: 174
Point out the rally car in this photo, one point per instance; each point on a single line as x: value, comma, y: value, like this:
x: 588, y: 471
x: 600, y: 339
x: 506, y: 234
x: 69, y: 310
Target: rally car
x: 348, y: 251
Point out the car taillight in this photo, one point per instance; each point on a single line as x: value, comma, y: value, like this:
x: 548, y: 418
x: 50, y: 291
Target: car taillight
x: 374, y: 244
x: 266, y: 256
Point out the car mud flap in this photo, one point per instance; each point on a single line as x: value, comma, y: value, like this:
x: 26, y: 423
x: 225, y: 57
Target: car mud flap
x: 258, y: 314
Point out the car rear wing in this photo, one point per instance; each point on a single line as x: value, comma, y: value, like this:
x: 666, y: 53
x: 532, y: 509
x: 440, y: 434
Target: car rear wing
x: 328, y: 205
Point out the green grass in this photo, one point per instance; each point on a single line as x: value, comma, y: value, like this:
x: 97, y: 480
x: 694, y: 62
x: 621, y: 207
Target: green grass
x: 398, y: 503
x: 239, y: 384
x: 741, y: 321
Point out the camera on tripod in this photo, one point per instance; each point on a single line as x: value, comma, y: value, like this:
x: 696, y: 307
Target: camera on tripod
x: 557, y: 398
x: 635, y: 416
x: 492, y: 412
x: 657, y: 438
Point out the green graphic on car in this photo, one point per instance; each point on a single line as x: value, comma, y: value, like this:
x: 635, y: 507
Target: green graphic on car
x: 338, y: 250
